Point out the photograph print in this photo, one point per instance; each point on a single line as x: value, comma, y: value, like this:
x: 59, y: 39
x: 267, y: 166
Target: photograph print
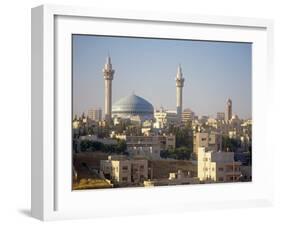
x: 159, y: 112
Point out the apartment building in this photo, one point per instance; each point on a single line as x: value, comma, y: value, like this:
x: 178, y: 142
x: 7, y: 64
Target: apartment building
x: 123, y: 171
x: 217, y: 166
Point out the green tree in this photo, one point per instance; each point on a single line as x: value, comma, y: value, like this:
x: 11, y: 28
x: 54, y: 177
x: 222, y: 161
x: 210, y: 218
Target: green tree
x: 231, y: 143
x: 181, y: 153
x: 121, y: 146
x: 85, y: 145
x: 184, y: 135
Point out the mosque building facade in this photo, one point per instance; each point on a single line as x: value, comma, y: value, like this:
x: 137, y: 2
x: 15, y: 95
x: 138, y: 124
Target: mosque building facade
x: 133, y: 105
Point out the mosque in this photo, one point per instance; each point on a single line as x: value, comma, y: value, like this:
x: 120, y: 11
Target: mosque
x: 134, y: 105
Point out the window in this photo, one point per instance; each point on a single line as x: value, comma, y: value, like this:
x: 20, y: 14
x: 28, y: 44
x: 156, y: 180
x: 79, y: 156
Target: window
x: 220, y: 169
x: 125, y: 168
x: 124, y: 179
x: 220, y: 178
x: 141, y: 167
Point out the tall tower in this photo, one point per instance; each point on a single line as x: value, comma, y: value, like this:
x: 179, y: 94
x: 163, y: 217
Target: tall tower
x: 108, y: 73
x: 228, y: 110
x: 179, y: 85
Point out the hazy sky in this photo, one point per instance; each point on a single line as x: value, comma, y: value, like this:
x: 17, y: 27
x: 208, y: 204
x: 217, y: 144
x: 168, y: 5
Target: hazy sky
x: 213, y: 71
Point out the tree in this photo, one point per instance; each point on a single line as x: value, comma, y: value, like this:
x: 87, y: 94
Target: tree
x: 231, y: 143
x: 84, y: 145
x: 181, y: 153
x: 184, y: 136
x: 121, y: 146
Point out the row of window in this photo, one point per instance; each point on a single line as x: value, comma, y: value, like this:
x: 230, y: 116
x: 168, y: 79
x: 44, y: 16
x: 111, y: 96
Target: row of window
x: 125, y: 168
x: 213, y: 169
x: 221, y: 169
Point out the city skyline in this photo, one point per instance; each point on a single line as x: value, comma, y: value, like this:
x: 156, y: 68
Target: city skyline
x: 148, y: 67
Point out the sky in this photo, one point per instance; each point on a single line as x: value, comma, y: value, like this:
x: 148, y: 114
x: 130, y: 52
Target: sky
x: 213, y: 72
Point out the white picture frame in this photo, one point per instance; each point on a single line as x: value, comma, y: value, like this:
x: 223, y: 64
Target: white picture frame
x: 52, y: 197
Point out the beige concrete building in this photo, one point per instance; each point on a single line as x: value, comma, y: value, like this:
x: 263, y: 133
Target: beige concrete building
x: 212, y: 122
x: 187, y: 116
x: 217, y: 166
x: 123, y: 171
x: 164, y: 118
x: 163, y: 142
x: 149, y: 147
x: 211, y: 141
x: 95, y: 114
x: 220, y: 116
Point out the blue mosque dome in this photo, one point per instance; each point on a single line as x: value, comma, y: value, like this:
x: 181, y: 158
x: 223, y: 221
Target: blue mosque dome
x: 132, y: 105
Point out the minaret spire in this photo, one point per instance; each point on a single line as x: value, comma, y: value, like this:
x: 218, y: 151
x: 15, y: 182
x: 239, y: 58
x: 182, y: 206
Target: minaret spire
x: 228, y: 110
x: 179, y: 87
x: 108, y: 73
x: 108, y: 59
x: 179, y: 74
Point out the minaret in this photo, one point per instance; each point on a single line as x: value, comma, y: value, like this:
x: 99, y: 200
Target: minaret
x: 108, y: 73
x: 228, y: 110
x: 179, y: 85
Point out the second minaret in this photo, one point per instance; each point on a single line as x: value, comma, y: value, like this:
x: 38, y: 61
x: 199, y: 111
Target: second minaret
x: 179, y: 86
